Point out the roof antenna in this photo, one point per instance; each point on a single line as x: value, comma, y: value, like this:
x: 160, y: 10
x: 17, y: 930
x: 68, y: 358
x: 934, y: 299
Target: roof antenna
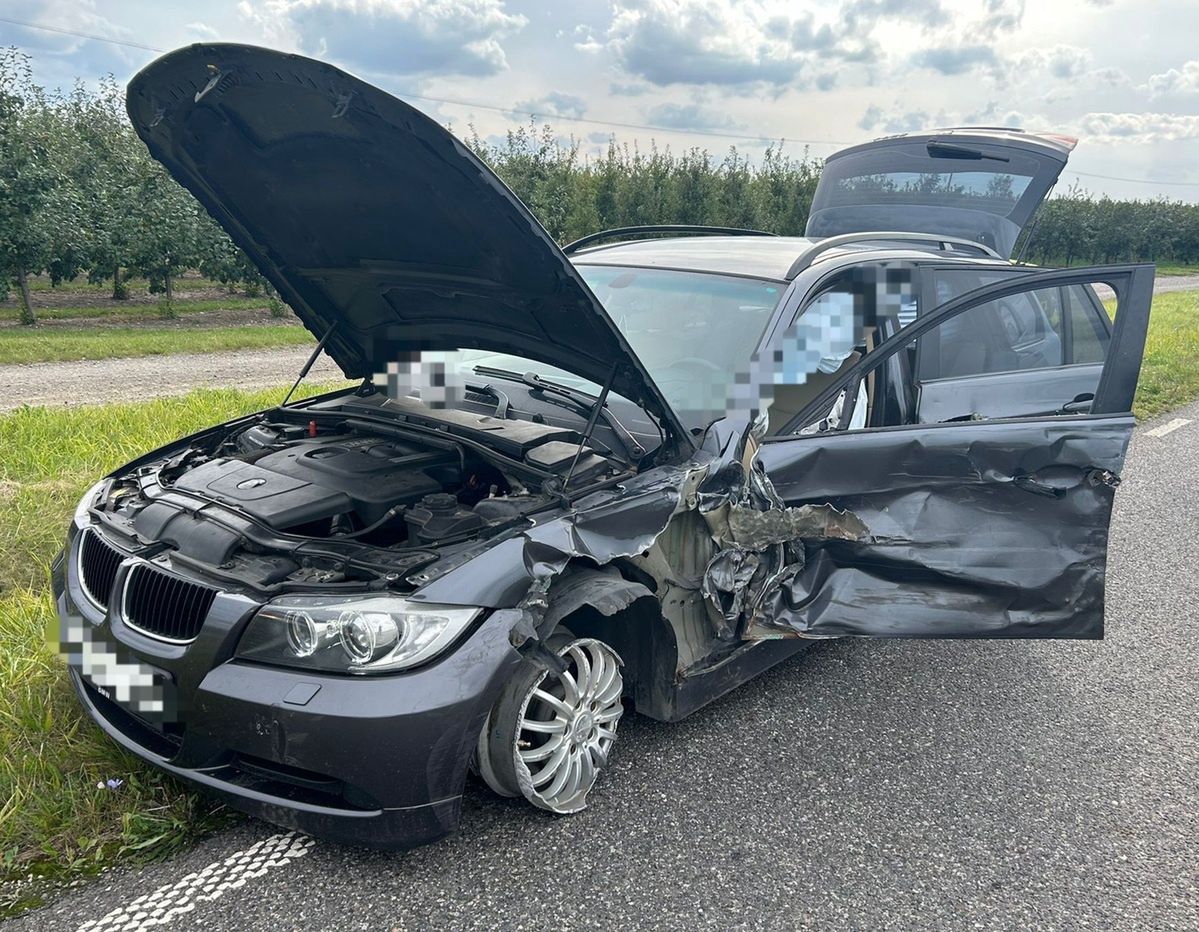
x: 591, y: 422
x: 311, y: 362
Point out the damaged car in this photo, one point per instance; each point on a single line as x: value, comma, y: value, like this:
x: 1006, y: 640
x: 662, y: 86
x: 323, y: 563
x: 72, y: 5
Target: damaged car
x: 630, y: 474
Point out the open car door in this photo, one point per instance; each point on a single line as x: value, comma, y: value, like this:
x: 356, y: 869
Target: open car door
x: 989, y: 526
x: 980, y: 184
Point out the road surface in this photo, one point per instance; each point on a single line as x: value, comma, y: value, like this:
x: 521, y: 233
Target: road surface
x: 861, y: 785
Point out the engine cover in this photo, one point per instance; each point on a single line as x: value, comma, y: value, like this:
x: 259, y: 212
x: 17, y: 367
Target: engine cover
x: 311, y: 480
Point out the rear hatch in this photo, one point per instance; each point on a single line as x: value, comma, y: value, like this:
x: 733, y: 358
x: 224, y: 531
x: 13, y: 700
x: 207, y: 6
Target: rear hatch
x: 978, y: 184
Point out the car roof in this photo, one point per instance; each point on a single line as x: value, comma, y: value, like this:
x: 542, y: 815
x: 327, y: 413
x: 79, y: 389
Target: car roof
x: 768, y: 257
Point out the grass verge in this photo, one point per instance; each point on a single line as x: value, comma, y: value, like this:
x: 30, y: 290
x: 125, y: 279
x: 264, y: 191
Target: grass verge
x: 138, y: 311
x: 1177, y: 269
x: 46, y: 345
x: 1170, y: 369
x: 55, y: 822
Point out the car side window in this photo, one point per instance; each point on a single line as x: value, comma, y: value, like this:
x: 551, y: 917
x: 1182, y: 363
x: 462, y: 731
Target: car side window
x: 1014, y: 356
x: 827, y: 346
x: 1089, y: 335
x: 972, y: 359
x: 1022, y: 331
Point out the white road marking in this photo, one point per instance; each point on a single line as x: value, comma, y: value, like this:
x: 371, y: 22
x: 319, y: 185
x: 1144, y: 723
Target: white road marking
x: 1169, y: 427
x: 203, y: 886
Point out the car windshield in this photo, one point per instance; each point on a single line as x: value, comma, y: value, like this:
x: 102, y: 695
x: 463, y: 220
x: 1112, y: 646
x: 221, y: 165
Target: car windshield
x: 692, y: 331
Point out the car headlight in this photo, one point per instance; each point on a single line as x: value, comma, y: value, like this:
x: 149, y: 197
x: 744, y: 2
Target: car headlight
x: 89, y: 499
x: 352, y: 634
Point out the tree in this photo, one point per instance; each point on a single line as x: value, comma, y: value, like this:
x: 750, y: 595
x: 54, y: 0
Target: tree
x: 171, y: 231
x: 40, y: 207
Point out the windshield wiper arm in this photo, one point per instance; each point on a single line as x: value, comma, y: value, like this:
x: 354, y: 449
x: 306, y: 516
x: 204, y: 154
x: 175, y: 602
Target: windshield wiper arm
x: 586, y: 402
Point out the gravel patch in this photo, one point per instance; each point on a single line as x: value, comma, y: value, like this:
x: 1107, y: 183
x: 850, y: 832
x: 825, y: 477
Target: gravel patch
x: 140, y: 378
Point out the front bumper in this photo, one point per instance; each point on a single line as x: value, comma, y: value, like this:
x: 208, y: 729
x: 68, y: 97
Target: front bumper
x: 379, y: 761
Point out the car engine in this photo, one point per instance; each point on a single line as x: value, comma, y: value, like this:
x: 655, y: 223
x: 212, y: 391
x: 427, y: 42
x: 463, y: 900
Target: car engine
x: 341, y: 496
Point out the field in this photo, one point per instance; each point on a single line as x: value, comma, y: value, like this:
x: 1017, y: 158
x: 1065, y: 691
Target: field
x: 1170, y: 370
x: 42, y: 345
x: 81, y: 321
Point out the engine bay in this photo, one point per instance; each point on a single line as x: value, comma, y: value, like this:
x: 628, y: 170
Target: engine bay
x: 341, y: 493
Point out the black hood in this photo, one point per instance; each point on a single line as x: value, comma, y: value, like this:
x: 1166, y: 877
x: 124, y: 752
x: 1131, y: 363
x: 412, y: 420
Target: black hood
x: 365, y: 213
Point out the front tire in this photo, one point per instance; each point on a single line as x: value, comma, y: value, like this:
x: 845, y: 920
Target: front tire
x: 550, y: 735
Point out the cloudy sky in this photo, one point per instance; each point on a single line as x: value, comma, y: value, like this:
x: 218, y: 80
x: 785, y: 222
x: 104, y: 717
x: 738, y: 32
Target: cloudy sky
x: 1121, y: 75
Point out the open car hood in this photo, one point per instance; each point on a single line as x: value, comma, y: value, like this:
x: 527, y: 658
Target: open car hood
x: 979, y: 184
x: 365, y: 213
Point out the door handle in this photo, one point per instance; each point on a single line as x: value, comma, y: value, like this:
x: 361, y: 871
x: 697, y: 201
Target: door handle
x: 1036, y: 487
x: 1080, y: 404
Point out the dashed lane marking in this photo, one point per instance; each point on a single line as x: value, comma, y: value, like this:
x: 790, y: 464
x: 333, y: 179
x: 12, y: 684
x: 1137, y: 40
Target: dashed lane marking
x: 1169, y: 427
x: 203, y: 886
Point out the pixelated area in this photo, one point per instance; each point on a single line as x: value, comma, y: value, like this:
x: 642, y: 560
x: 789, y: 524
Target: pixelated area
x: 426, y: 376
x: 134, y: 685
x: 824, y: 336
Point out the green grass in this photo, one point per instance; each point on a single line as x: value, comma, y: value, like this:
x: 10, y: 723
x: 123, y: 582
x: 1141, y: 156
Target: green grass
x: 1170, y: 369
x: 1167, y: 269
x: 54, y: 822
x: 135, y: 311
x: 47, y: 345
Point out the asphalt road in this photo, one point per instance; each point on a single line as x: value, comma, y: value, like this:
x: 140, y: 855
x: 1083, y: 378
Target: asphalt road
x: 861, y: 785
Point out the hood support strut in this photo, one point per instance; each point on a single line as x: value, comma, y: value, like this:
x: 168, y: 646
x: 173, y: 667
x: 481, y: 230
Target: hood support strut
x: 320, y: 346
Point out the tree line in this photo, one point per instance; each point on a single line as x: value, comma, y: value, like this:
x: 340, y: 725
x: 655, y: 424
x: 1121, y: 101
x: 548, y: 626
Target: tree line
x: 81, y: 196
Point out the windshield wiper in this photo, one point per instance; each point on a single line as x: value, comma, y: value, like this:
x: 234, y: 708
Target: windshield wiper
x: 584, y: 402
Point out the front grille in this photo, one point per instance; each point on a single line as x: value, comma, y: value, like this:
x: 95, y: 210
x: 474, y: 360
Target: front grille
x: 98, y: 564
x: 165, y: 606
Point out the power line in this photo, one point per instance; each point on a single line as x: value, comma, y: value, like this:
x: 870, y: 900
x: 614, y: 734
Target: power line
x: 1133, y: 180
x: 623, y: 125
x: 80, y: 35
x: 589, y: 120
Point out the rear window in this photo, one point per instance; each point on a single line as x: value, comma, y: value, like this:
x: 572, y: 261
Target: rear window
x: 985, y: 191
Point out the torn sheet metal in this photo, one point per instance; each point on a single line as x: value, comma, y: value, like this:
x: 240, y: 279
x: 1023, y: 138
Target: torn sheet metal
x: 880, y: 534
x: 1002, y: 537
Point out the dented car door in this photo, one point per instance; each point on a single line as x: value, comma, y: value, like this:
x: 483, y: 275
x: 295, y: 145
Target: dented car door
x: 975, y: 527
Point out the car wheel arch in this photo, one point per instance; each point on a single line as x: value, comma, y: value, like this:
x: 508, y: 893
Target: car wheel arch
x: 612, y: 604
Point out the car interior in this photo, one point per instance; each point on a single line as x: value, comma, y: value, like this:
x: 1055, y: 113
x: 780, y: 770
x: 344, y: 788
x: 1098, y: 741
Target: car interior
x: 973, y: 366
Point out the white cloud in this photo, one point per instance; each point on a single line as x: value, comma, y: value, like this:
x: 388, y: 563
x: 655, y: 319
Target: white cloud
x: 1139, y: 128
x: 1065, y: 62
x: 1184, y: 80
x: 203, y: 30
x: 692, y: 116
x: 1000, y: 16
x: 703, y: 42
x: 953, y: 60
x: 555, y: 103
x: 395, y: 37
x: 89, y: 58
